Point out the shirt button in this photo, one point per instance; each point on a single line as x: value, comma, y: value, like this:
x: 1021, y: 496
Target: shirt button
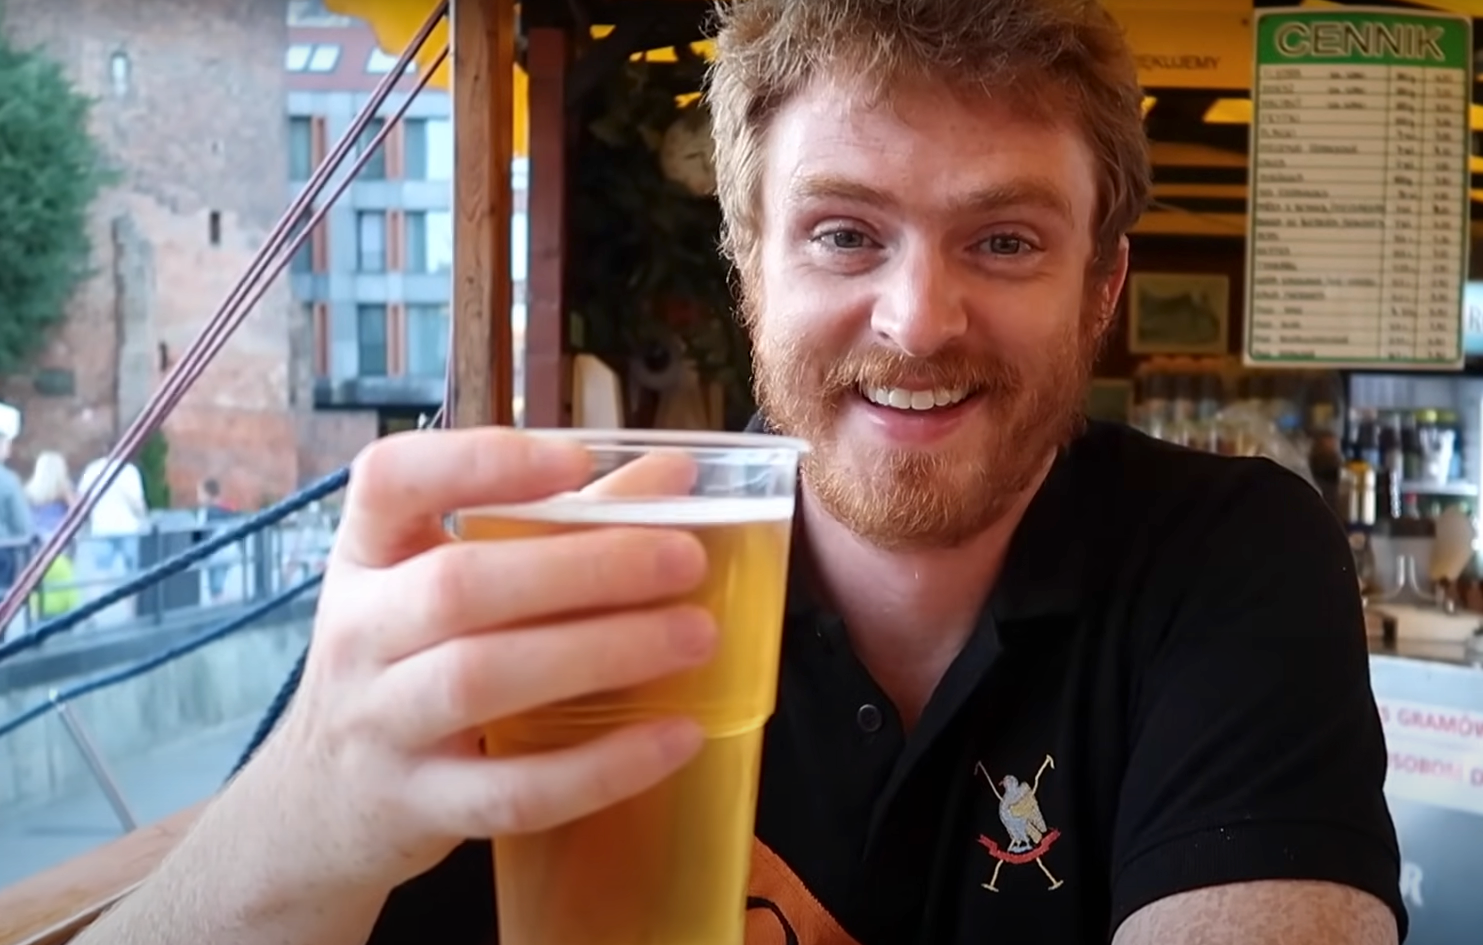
x: 868, y: 718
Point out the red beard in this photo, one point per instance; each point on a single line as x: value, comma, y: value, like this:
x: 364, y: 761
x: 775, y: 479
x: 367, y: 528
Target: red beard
x: 900, y: 499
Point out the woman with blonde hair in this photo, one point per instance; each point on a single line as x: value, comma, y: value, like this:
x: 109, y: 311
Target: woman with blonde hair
x: 50, y: 491
x: 51, y: 494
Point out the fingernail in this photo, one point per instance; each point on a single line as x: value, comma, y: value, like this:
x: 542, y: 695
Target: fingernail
x: 692, y: 633
x: 679, y: 739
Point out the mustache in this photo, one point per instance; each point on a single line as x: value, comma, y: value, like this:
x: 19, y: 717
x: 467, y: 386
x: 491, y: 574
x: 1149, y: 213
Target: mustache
x: 955, y: 369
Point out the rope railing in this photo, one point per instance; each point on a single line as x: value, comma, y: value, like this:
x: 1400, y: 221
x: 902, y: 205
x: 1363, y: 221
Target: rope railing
x: 248, y: 526
x: 226, y: 628
x: 265, y: 267
x: 197, y: 553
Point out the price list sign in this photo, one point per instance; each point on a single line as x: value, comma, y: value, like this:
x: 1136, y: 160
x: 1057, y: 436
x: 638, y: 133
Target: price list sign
x: 1357, y: 236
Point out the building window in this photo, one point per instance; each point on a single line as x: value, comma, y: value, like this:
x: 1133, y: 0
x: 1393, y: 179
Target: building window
x: 416, y: 241
x: 370, y: 233
x: 427, y: 340
x: 118, y: 71
x: 429, y: 241
x: 300, y: 149
x: 313, y: 13
x: 311, y: 57
x: 303, y: 257
x: 370, y: 324
x: 375, y: 166
x: 519, y: 247
x: 324, y: 59
x: 380, y: 63
x: 429, y: 149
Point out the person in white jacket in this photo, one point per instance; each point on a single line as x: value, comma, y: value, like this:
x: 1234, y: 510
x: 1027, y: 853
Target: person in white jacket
x: 119, y: 516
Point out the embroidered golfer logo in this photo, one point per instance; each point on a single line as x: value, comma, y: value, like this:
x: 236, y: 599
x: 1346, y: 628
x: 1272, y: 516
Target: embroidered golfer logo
x: 1019, y: 812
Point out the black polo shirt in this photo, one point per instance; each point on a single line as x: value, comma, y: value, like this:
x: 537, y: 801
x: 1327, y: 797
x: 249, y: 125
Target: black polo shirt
x: 1168, y: 689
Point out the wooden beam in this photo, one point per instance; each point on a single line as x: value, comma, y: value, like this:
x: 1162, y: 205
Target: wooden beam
x: 53, y: 907
x: 483, y: 41
x: 548, y: 389
x: 1175, y: 223
x: 633, y: 33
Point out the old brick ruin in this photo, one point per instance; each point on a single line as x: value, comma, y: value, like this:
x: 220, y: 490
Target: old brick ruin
x: 190, y: 106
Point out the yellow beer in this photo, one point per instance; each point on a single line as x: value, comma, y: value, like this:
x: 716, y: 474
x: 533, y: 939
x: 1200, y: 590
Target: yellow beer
x: 668, y: 867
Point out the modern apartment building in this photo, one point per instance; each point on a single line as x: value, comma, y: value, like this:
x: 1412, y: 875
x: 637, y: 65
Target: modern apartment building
x: 374, y: 278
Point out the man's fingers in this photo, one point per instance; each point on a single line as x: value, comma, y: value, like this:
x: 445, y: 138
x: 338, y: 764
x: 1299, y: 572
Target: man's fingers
x: 463, y: 683
x: 467, y: 586
x: 401, y: 485
x: 492, y: 797
x: 652, y: 475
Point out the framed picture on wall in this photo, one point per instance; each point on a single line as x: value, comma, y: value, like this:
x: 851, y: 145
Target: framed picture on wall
x: 1178, y: 313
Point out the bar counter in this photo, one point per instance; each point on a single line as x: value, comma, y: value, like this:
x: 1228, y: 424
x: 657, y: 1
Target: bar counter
x: 1430, y: 697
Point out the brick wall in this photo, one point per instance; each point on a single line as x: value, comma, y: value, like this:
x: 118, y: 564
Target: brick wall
x: 332, y: 438
x: 190, y: 106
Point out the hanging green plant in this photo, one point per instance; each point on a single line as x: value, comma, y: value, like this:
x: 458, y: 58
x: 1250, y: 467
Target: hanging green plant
x: 647, y: 281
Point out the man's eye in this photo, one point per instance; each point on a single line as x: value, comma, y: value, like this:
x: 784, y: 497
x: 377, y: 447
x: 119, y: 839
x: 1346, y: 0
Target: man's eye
x: 1005, y: 244
x: 844, y: 239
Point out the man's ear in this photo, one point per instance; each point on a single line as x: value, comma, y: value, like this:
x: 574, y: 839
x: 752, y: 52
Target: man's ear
x: 1112, y: 287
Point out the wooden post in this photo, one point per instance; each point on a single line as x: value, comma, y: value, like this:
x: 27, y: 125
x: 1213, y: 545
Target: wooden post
x: 548, y: 388
x: 483, y: 41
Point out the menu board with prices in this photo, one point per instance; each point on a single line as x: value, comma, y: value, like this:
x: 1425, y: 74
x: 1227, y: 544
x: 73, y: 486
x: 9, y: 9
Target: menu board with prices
x: 1357, y: 238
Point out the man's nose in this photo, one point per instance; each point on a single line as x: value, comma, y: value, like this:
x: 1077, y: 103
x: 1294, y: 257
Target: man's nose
x: 921, y: 309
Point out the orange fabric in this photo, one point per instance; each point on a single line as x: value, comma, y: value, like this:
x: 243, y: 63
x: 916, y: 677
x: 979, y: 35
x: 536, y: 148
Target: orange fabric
x: 789, y: 908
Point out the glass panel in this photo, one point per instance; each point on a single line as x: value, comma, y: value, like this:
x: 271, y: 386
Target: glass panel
x: 296, y: 58
x: 438, y: 256
x: 427, y: 340
x: 375, y: 166
x: 303, y: 257
x: 324, y: 58
x: 371, y: 339
x: 300, y: 149
x: 380, y: 63
x: 439, y: 149
x: 371, y: 241
x: 414, y: 131
x: 416, y: 241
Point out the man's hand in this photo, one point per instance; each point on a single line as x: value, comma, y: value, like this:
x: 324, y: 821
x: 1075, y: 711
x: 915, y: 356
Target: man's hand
x: 420, y: 639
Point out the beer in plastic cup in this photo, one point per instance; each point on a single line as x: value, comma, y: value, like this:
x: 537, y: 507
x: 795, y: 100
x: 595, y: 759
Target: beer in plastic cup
x: 670, y: 866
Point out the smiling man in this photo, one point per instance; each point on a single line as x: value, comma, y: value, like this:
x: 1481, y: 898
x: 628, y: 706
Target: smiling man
x: 1042, y: 681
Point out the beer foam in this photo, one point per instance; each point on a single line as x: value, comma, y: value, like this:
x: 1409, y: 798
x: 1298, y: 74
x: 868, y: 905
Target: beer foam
x: 576, y: 509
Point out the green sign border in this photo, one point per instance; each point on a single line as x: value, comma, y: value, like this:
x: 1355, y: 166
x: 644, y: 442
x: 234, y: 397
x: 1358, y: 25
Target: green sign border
x: 1264, y: 22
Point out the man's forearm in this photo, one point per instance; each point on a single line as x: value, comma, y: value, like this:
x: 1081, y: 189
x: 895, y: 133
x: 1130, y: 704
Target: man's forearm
x: 225, y: 885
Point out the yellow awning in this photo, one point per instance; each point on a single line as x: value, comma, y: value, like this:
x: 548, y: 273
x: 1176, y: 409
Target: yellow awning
x: 396, y: 22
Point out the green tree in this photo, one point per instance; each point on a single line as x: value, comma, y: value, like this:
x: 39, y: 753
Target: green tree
x: 153, y: 460
x: 51, y: 171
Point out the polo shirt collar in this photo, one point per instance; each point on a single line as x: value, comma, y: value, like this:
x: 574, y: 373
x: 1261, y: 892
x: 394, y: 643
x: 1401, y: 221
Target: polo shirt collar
x: 1045, y: 569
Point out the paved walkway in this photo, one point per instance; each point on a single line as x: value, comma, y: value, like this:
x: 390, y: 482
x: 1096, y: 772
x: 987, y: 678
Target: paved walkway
x: 155, y: 785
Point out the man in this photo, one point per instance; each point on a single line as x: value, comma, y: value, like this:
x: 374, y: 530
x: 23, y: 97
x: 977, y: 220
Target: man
x: 17, y: 528
x: 1038, y: 685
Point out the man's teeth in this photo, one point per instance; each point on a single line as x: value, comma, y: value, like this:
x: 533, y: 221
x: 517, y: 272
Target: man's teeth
x: 903, y: 399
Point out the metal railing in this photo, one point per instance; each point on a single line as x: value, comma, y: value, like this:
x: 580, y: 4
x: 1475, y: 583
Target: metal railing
x: 184, y: 564
x: 256, y: 567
